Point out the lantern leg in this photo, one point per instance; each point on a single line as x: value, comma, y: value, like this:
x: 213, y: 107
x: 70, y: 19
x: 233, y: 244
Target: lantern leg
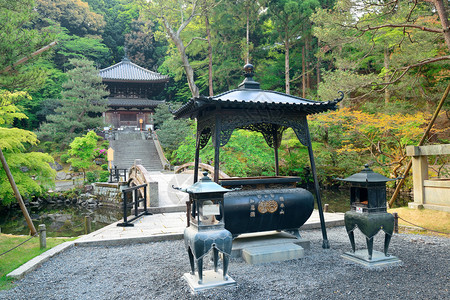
x: 226, y: 260
x: 369, y: 246
x: 351, y: 236
x: 216, y: 258
x: 387, y: 240
x: 191, y: 261
x: 200, y: 270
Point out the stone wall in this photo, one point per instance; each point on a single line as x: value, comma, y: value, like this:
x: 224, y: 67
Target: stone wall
x: 108, y: 194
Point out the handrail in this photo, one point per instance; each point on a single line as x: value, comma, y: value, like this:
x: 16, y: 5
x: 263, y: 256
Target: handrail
x: 115, y: 174
x: 162, y: 157
x: 136, y: 201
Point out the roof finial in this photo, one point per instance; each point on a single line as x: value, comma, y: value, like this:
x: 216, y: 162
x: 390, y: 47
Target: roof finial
x: 125, y: 53
x: 248, y: 82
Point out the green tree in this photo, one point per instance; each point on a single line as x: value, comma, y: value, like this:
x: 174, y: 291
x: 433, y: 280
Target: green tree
x: 31, y: 171
x: 175, y: 17
x: 142, y: 47
x: 75, y: 15
x: 397, y: 49
x: 18, y: 40
x: 73, y: 46
x: 289, y: 18
x: 246, y: 154
x: 118, y: 16
x: 82, y: 151
x: 83, y: 101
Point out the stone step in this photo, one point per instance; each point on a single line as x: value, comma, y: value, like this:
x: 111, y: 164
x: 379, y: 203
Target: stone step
x: 272, y: 253
x: 127, y: 151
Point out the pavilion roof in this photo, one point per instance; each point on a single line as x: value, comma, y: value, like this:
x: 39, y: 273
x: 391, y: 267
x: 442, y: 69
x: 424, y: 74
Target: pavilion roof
x: 250, y: 96
x: 126, y: 71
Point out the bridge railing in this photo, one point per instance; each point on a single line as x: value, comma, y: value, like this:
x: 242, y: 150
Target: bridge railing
x: 164, y: 161
x: 136, y: 201
x: 115, y: 175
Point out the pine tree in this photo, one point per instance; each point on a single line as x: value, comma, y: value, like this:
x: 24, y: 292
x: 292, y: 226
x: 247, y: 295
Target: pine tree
x: 83, y: 101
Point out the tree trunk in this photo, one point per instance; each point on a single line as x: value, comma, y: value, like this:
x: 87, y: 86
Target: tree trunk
x: 175, y: 37
x: 308, y: 76
x: 210, y: 78
x: 387, y: 93
x: 318, y: 65
x: 247, y: 36
x: 443, y: 16
x: 303, y: 72
x: 286, y: 65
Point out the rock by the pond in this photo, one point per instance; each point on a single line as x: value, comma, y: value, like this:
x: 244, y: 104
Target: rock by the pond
x: 24, y: 169
x: 60, y: 175
x: 56, y: 166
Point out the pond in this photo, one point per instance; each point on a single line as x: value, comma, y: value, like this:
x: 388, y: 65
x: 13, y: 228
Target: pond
x: 68, y: 220
x: 60, y: 220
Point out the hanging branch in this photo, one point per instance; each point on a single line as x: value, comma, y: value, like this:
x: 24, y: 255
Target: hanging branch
x: 24, y: 59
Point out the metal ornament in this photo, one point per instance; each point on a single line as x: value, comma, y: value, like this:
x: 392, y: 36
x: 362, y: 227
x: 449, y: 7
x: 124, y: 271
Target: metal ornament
x: 207, y: 230
x: 368, y: 211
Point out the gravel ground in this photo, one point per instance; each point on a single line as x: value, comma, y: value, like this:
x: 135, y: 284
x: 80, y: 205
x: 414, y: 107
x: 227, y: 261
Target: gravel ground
x: 154, y: 271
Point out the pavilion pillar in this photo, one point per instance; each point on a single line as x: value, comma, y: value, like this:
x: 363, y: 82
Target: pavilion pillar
x: 217, y: 130
x: 325, y: 243
x: 275, y: 146
x: 197, y: 157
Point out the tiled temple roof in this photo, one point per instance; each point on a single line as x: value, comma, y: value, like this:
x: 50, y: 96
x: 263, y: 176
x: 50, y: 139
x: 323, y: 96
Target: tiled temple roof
x: 128, y: 71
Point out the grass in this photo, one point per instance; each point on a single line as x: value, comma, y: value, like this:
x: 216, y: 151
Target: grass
x: 426, y: 218
x: 17, y: 257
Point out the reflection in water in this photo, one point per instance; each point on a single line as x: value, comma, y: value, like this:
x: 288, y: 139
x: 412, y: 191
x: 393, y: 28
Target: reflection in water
x: 60, y: 220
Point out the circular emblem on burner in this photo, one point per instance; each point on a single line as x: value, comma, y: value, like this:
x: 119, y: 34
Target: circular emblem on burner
x: 269, y: 206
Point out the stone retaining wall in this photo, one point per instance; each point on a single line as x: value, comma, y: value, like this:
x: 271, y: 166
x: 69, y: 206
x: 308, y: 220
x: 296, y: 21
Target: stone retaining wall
x: 108, y: 194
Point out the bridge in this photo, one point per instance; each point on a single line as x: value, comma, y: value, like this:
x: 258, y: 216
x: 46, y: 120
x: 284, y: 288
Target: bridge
x: 160, y: 192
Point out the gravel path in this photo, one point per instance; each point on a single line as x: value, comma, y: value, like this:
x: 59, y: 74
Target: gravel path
x: 154, y: 271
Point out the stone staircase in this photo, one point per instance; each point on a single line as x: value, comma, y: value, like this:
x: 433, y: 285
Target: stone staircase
x: 129, y: 146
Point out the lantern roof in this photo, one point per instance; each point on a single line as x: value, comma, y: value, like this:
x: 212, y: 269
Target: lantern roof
x: 206, y: 185
x: 366, y: 176
x: 249, y: 95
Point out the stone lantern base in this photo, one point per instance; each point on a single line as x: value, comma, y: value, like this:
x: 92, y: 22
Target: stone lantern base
x: 378, y: 258
x: 211, y: 280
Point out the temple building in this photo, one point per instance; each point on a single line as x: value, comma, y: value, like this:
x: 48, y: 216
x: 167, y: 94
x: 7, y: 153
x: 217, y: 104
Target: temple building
x: 132, y: 92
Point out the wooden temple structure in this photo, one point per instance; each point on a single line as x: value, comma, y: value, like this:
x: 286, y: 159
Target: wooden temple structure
x: 132, y: 92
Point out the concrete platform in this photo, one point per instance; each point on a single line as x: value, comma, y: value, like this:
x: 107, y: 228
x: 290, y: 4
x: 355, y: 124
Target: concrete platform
x: 272, y: 253
x: 211, y: 280
x: 378, y: 258
x: 167, y: 226
x: 268, y: 238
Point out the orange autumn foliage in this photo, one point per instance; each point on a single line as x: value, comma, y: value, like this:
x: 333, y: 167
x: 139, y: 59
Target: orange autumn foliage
x: 382, y: 136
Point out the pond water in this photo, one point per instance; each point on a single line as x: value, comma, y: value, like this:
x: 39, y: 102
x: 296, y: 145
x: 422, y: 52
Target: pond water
x: 68, y: 220
x: 60, y: 220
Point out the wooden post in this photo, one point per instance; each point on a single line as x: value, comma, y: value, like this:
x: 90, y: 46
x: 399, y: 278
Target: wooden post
x: 17, y: 194
x: 42, y: 236
x: 87, y: 225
